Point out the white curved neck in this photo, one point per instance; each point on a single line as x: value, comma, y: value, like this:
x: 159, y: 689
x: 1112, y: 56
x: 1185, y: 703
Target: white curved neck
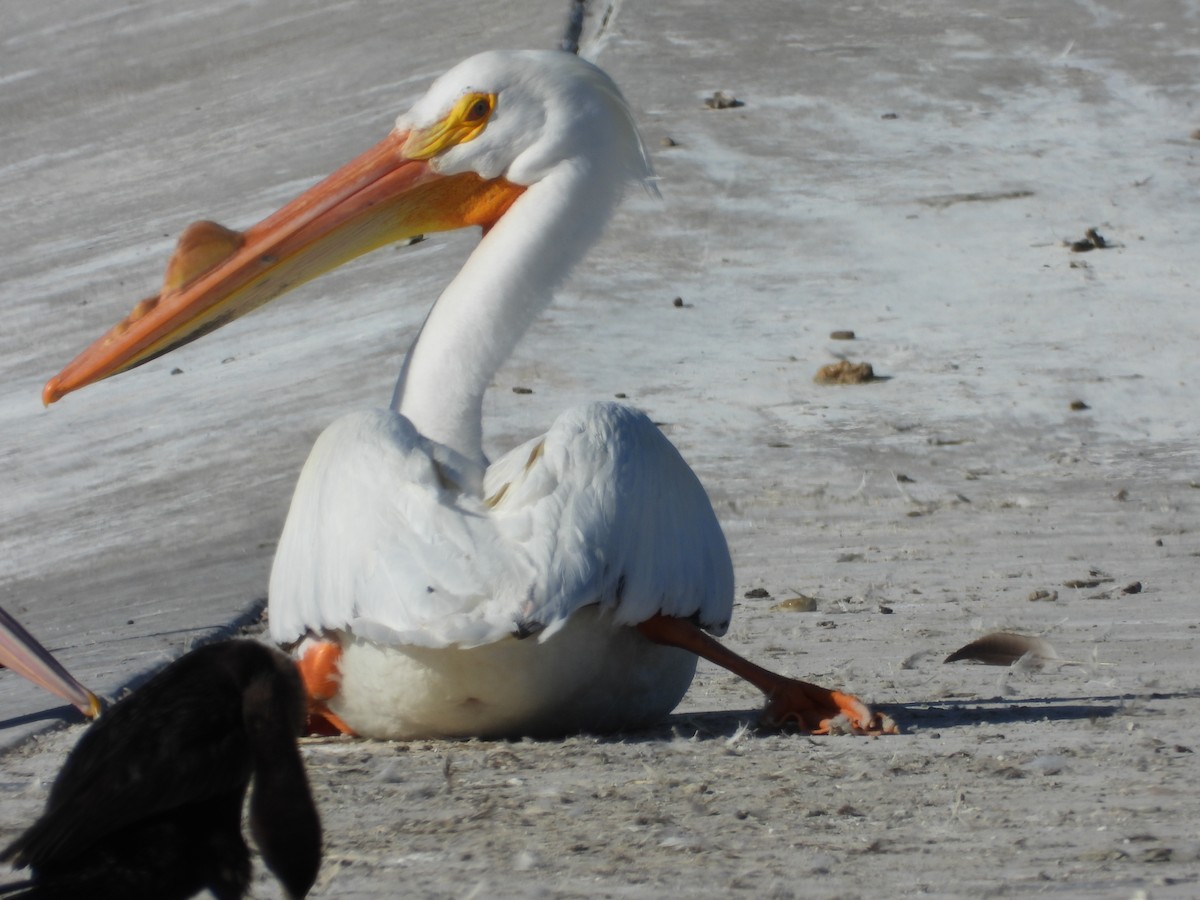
x: 503, y: 286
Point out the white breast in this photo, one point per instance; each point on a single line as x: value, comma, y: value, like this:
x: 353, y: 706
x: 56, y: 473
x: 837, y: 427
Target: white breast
x: 589, y: 676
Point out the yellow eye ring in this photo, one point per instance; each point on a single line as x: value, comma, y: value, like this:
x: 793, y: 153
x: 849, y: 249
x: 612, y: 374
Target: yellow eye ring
x: 465, y: 121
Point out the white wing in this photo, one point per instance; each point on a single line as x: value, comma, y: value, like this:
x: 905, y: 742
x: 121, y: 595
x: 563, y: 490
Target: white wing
x: 608, y: 512
x: 389, y: 535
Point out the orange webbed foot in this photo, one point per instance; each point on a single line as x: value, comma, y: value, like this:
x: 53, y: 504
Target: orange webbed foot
x: 817, y: 710
x: 810, y: 707
x: 318, y: 665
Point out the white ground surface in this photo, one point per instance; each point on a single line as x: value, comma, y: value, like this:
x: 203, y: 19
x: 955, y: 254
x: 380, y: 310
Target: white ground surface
x: 905, y: 169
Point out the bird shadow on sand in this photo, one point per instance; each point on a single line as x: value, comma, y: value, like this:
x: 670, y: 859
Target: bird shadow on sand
x: 913, y: 718
x: 961, y: 713
x: 923, y: 716
x: 61, y: 715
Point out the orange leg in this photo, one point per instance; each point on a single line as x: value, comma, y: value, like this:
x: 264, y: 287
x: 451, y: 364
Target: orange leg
x: 319, y: 672
x: 812, y: 708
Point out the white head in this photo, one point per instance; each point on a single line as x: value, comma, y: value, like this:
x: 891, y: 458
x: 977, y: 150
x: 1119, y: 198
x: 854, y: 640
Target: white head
x: 543, y: 108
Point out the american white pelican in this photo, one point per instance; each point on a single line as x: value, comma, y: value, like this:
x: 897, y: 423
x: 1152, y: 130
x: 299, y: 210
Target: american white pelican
x: 566, y: 586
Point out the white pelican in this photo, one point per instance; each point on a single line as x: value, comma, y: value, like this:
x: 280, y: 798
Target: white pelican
x: 566, y: 586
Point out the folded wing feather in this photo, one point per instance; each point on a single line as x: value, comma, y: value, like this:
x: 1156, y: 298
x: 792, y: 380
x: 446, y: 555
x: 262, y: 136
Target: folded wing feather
x: 390, y: 535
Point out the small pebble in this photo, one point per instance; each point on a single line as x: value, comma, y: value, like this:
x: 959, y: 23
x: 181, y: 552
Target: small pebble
x: 1092, y: 240
x: 722, y: 100
x: 845, y: 372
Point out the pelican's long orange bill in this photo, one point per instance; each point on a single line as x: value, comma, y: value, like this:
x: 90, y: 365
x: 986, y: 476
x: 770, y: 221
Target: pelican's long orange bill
x: 217, y: 275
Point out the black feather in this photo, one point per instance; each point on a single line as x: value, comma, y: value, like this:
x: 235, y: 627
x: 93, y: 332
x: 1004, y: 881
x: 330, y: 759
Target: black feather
x: 149, y: 803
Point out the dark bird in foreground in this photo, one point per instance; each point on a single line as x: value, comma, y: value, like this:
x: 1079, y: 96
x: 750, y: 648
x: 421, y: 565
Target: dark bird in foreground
x: 149, y: 803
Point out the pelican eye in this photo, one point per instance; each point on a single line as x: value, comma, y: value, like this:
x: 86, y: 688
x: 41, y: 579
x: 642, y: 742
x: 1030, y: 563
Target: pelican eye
x: 464, y: 122
x: 478, y: 110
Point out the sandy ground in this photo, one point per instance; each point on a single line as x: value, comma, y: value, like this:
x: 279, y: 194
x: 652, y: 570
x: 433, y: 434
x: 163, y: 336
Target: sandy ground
x: 907, y: 170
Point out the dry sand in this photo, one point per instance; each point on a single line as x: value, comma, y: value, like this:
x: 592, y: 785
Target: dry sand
x: 908, y: 170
